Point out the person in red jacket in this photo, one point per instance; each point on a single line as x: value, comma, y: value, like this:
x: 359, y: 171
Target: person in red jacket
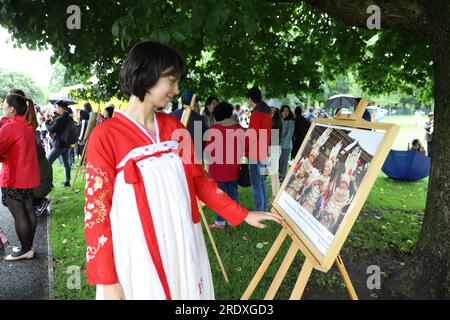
x: 142, y: 224
x: 224, y: 150
x: 20, y: 169
x: 257, y: 146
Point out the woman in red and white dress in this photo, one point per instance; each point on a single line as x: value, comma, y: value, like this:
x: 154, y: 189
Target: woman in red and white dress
x: 142, y: 224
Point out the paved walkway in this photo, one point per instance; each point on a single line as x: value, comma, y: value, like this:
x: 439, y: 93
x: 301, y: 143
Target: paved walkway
x: 24, y: 279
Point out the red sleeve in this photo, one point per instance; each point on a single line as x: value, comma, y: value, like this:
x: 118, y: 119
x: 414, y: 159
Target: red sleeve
x: 253, y: 135
x: 7, y: 138
x: 253, y: 125
x: 209, y: 193
x: 100, y: 175
x: 207, y: 190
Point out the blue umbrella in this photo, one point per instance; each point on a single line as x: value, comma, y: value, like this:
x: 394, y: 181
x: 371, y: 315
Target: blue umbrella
x: 408, y: 165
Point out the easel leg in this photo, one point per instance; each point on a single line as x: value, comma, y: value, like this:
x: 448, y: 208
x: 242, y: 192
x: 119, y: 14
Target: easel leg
x: 213, y: 243
x: 287, y: 261
x: 346, y: 278
x: 264, y: 265
x: 82, y: 160
x: 302, y: 280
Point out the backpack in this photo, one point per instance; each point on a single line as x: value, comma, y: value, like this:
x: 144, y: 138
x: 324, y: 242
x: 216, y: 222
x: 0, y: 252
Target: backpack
x: 71, y: 133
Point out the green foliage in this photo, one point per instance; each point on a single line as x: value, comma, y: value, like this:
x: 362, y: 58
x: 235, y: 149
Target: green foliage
x: 16, y: 80
x: 229, y: 45
x: 59, y: 79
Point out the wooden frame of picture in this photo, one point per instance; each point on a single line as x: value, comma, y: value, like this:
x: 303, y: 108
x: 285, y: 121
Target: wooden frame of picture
x: 319, y: 256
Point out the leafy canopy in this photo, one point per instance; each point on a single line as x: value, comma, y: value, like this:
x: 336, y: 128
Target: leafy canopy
x: 229, y: 45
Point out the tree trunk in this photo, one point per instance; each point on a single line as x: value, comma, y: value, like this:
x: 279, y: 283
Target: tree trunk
x: 427, y: 275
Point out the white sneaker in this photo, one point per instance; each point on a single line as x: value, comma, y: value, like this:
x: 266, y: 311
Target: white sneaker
x: 28, y: 255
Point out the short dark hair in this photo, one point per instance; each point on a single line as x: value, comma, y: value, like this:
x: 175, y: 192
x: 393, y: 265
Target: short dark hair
x: 88, y: 107
x: 298, y: 111
x: 237, y: 107
x: 223, y: 111
x: 146, y: 63
x: 110, y: 109
x: 62, y: 104
x: 255, y: 94
x: 417, y: 143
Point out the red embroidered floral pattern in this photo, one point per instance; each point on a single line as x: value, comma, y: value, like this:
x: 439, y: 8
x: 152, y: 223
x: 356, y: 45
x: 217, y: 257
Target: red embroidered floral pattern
x: 96, y: 209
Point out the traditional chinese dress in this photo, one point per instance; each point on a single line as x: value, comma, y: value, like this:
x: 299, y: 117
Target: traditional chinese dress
x: 299, y: 178
x: 333, y: 208
x: 142, y: 223
x: 317, y: 187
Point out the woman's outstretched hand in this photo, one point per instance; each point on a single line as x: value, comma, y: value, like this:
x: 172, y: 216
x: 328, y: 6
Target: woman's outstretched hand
x: 254, y: 218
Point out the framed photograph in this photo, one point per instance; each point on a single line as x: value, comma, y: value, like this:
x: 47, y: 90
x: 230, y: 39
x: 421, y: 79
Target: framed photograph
x: 329, y: 181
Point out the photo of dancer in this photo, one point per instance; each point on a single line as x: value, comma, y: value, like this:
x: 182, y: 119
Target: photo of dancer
x: 323, y: 183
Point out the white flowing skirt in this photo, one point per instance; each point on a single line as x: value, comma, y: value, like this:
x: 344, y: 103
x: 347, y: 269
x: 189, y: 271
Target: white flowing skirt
x: 181, y: 242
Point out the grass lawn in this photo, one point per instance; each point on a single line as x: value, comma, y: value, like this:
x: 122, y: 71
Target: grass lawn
x: 390, y: 220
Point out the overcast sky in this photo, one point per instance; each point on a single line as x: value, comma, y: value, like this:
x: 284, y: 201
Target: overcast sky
x: 34, y: 63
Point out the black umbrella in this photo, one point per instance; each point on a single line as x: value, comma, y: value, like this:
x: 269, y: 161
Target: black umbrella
x: 341, y: 101
x: 61, y: 97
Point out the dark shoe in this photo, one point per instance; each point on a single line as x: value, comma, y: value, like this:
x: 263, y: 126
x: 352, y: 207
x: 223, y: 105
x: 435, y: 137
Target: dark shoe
x: 65, y: 185
x: 39, y: 210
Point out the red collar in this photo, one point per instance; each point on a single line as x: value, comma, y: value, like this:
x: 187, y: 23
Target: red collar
x: 21, y: 119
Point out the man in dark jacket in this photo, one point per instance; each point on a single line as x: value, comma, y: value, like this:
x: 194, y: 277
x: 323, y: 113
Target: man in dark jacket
x: 272, y: 166
x: 301, y: 127
x: 56, y: 128
x: 258, y: 136
x: 196, y: 124
x: 40, y: 202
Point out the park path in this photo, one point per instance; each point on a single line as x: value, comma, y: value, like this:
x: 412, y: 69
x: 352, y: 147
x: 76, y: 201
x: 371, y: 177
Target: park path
x: 25, y: 279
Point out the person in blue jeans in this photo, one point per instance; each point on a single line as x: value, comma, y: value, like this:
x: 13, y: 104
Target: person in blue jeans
x: 258, y: 137
x: 259, y: 187
x: 230, y: 188
x: 57, y: 126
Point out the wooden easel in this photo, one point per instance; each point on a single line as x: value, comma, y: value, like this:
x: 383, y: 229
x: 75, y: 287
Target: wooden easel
x: 186, y: 115
x: 309, y: 264
x: 297, y: 244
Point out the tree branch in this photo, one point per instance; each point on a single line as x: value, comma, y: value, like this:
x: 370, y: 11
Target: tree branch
x: 406, y: 15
